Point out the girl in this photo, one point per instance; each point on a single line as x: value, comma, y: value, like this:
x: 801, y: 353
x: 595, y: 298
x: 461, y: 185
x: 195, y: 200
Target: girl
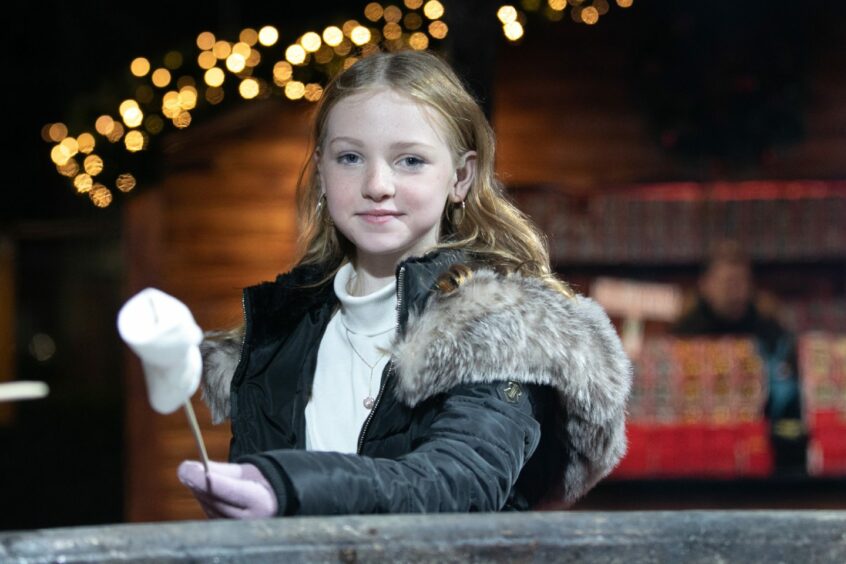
x: 421, y: 356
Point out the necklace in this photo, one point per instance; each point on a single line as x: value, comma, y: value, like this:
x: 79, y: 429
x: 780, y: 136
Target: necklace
x: 369, y: 401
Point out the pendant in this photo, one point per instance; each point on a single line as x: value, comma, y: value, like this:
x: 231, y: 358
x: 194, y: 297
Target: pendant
x: 368, y: 402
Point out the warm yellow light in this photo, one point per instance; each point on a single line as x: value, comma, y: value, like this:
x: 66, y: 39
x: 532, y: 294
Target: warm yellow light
x: 134, y: 141
x: 188, y: 97
x: 45, y: 132
x: 438, y: 29
x: 183, y: 120
x: 348, y: 26
x: 392, y: 31
x: 248, y: 36
x: 161, y: 77
x: 349, y: 62
x: 254, y: 59
x: 144, y: 94
x: 241, y: 49
x: 104, y: 125
x: 392, y: 14
x: 282, y: 72
x: 214, y: 76
x: 93, y: 165
x: 418, y: 41
x: 206, y: 60
x: 125, y: 105
x: 590, y: 15
x: 556, y: 5
x: 173, y: 60
x: 100, y: 196
x: 125, y: 182
x: 222, y: 49
x: 205, y: 41
x: 60, y: 155
x: 295, y: 54
x: 268, y: 35
x: 360, y: 35
x: 344, y: 47
x: 413, y: 4
x: 513, y: 31
x: 433, y: 10
x: 294, y: 90
x: 313, y: 92
x: 139, y: 66
x: 70, y: 168
x: 249, y: 88
x: 71, y: 144
x: 116, y: 133
x: 58, y: 131
x: 373, y: 11
x: 333, y: 35
x: 83, y: 183
x: 625, y: 3
x: 310, y: 42
x: 153, y: 124
x: 86, y: 143
x: 601, y: 6
x: 506, y: 14
x: 171, y: 104
x: 412, y: 21
x: 235, y: 63
x: 133, y: 117
x: 576, y: 14
x: 185, y: 81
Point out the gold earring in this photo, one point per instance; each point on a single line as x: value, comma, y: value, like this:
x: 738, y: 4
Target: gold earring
x: 458, y: 214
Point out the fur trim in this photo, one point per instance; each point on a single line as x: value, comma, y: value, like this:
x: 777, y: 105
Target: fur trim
x: 221, y: 352
x: 518, y: 328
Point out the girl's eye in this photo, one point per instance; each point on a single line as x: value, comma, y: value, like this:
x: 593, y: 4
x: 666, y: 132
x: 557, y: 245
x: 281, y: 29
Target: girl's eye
x: 349, y: 158
x: 412, y: 162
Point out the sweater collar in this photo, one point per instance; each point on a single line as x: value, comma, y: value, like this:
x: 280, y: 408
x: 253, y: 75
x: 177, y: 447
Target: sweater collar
x: 367, y: 315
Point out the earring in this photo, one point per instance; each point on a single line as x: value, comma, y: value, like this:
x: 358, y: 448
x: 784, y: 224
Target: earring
x: 320, y: 202
x: 322, y: 211
x: 458, y: 214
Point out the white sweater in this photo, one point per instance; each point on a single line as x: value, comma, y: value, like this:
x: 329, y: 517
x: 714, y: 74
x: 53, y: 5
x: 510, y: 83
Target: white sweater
x: 342, y: 380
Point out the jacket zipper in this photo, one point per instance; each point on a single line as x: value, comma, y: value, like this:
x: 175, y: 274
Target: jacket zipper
x: 390, y: 371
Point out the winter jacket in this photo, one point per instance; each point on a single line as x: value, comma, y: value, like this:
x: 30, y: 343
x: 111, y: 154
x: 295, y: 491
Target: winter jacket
x: 497, y: 396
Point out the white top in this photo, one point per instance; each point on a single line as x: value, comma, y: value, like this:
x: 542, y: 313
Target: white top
x: 342, y: 380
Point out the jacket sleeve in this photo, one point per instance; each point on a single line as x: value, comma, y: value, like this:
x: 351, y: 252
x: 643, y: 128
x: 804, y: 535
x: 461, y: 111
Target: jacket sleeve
x: 470, y: 459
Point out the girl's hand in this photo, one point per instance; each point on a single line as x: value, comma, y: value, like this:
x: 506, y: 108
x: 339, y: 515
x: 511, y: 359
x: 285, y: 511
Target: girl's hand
x: 234, y: 491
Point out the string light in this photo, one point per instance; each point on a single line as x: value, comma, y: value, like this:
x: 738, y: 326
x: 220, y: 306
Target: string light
x: 386, y: 27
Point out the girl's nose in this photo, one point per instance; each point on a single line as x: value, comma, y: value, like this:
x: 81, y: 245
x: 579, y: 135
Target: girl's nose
x: 377, y: 184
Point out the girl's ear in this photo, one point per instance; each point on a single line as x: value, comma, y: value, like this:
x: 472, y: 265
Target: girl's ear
x: 465, y: 175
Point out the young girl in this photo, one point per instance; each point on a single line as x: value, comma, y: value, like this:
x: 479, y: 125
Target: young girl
x: 421, y: 356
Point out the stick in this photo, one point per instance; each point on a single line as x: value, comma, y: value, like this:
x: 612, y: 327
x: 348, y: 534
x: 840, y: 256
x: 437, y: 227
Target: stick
x: 195, y: 429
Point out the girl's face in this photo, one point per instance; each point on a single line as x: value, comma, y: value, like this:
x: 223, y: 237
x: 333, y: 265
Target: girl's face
x: 388, y: 172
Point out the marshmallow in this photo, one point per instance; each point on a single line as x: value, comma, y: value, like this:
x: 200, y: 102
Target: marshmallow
x: 161, y: 331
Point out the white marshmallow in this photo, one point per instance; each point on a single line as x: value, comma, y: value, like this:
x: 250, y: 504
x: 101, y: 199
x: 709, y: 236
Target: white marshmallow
x: 162, y: 332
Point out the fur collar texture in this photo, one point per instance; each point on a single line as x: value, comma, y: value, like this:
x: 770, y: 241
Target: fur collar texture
x: 501, y: 327
x: 518, y: 328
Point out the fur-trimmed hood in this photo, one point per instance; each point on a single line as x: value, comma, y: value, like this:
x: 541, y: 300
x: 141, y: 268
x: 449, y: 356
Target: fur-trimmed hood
x: 501, y: 327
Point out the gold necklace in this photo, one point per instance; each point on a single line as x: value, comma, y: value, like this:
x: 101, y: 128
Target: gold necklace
x: 369, y: 401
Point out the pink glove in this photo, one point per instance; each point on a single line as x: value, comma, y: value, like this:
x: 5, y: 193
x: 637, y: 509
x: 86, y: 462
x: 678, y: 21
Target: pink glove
x: 235, y: 491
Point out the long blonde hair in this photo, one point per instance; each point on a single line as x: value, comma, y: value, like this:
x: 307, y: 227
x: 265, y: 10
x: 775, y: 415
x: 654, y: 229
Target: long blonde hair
x: 492, y: 229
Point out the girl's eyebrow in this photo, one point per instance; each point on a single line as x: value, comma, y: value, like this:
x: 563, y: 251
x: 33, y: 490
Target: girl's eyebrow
x: 397, y: 145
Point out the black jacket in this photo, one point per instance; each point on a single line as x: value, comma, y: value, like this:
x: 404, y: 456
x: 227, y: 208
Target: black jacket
x: 495, y: 395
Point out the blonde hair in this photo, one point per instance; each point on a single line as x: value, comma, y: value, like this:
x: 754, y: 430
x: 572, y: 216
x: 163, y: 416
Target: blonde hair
x: 492, y: 229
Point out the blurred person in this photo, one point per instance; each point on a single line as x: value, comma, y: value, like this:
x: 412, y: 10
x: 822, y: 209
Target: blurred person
x: 726, y: 304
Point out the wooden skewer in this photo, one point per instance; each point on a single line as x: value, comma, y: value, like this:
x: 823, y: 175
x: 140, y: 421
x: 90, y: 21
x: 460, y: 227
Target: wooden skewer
x: 198, y: 437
